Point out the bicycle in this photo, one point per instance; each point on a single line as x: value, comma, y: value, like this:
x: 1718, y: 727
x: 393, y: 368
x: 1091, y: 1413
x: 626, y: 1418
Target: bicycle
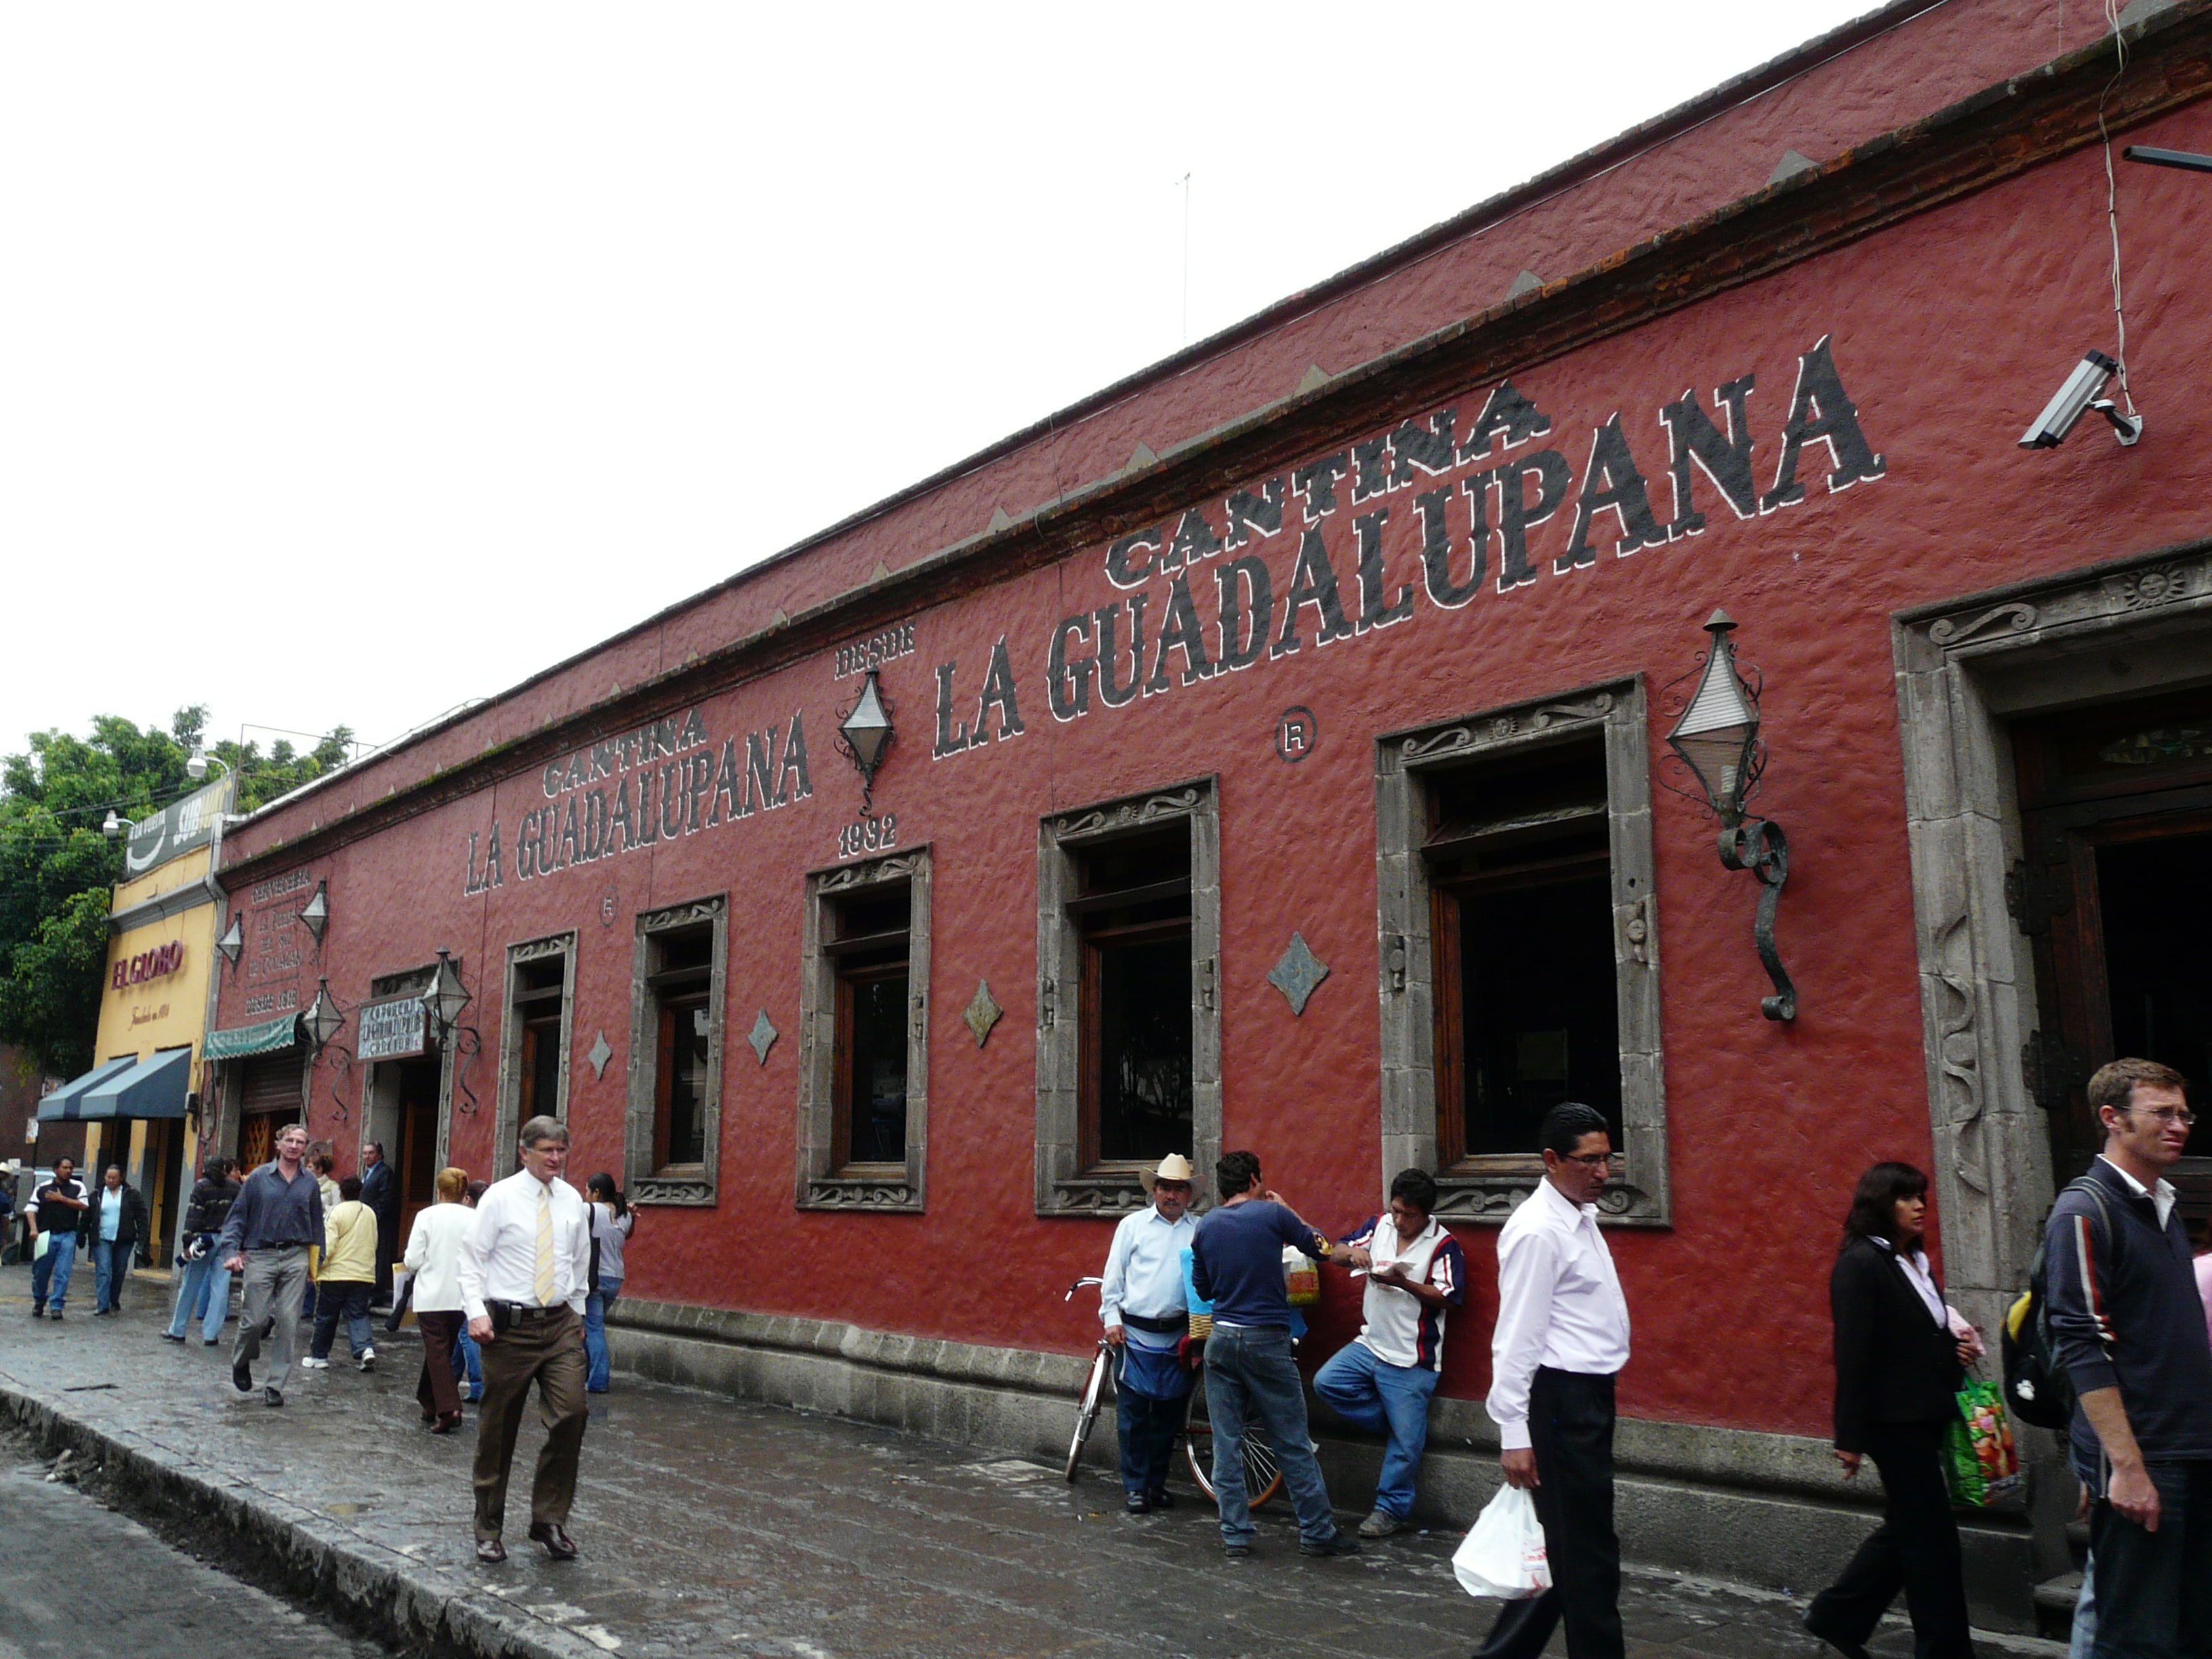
x: 1263, y: 1476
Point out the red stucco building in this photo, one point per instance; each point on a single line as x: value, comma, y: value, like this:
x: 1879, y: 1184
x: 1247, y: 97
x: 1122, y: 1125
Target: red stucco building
x: 1349, y: 641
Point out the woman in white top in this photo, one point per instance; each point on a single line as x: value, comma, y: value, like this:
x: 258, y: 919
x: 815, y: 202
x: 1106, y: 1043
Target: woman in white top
x: 434, y: 1257
x: 612, y: 1222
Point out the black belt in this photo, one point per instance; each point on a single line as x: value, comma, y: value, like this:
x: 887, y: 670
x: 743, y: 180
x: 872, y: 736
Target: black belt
x: 1175, y: 1327
x: 524, y: 1311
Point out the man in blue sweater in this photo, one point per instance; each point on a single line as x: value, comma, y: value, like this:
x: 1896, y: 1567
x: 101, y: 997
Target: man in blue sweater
x: 2127, y: 1324
x: 1236, y: 1264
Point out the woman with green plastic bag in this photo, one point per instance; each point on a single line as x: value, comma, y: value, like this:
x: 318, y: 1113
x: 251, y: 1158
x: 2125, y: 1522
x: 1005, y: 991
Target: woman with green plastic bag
x: 1901, y: 1353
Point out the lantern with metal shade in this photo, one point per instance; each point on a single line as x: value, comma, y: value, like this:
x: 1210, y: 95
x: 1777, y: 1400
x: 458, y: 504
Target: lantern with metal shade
x: 316, y: 913
x: 1718, y: 739
x: 445, y: 996
x: 232, y: 942
x: 324, y: 1019
x: 865, y: 735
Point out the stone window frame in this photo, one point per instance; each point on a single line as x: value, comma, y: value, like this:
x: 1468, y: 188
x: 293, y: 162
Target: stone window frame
x: 506, y: 1118
x: 1966, y: 668
x: 822, y: 1185
x: 1615, y: 712
x: 644, y: 1184
x: 1063, y: 1186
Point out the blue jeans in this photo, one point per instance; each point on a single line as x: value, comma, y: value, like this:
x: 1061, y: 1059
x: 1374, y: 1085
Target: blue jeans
x: 347, y: 1299
x: 1250, y: 1373
x: 2085, y: 1614
x: 111, y: 1267
x: 1392, y: 1400
x: 468, y: 1364
x: 50, y: 1273
x: 203, y: 1294
x: 596, y: 1364
x: 2154, y: 1594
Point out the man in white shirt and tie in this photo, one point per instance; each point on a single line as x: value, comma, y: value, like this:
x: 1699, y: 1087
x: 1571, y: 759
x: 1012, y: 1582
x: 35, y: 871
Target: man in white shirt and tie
x: 1562, y: 1336
x: 523, y: 1268
x: 1141, y: 1304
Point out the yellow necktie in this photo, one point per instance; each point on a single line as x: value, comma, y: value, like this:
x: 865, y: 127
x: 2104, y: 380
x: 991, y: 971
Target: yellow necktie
x: 545, y: 1247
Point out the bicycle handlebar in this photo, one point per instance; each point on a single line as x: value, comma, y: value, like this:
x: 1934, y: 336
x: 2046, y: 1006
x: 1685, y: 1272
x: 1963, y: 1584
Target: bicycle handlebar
x: 1077, y: 1285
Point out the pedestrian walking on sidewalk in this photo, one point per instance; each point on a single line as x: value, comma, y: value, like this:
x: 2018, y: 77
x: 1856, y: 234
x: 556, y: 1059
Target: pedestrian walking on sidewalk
x: 523, y: 1263
x: 115, y: 1226
x: 321, y: 1160
x: 1236, y: 1264
x: 1561, y: 1338
x: 204, y: 1288
x: 612, y: 1222
x: 348, y: 1276
x: 1381, y: 1381
x: 1901, y: 1353
x: 381, y: 1193
x: 278, y: 1218
x: 433, y: 1268
x: 55, y: 1211
x: 468, y: 1359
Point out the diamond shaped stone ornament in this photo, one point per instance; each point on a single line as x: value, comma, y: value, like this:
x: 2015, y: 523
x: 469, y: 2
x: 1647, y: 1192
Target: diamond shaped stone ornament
x: 599, y: 1055
x: 1299, y: 972
x: 982, y: 1012
x: 763, y: 1036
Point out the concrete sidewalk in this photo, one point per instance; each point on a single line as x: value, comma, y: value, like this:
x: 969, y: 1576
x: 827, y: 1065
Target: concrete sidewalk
x: 709, y: 1526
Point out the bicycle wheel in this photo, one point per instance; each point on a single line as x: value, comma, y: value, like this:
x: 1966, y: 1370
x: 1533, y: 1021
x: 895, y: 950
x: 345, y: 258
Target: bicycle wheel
x: 1087, y: 1406
x: 1263, y: 1476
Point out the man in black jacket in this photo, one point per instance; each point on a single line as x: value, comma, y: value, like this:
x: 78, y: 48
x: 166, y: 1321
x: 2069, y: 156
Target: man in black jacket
x: 55, y: 1211
x: 114, y: 1227
x: 2128, y: 1325
x: 381, y: 1193
x: 205, y: 1282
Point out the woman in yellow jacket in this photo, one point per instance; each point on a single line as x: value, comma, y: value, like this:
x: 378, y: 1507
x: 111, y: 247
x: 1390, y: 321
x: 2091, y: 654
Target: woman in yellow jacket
x: 349, y: 1275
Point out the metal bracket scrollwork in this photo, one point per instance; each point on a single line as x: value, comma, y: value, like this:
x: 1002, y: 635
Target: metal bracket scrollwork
x: 1760, y: 847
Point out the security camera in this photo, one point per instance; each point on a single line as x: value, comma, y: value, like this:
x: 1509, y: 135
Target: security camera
x: 2082, y: 393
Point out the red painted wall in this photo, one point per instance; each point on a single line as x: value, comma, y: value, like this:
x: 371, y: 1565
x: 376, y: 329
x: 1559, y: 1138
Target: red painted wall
x: 1949, y: 332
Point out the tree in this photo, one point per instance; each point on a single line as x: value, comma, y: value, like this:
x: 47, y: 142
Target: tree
x: 56, y: 869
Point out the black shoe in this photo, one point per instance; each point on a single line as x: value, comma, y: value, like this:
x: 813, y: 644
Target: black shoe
x: 209, y: 1342
x: 1337, y: 1543
x: 242, y: 1377
x: 39, y: 1311
x: 1238, y: 1552
x: 555, y: 1537
x: 55, y: 1315
x: 1137, y: 1503
x: 1850, y: 1649
x: 166, y: 1337
x: 272, y: 1397
x: 1160, y: 1500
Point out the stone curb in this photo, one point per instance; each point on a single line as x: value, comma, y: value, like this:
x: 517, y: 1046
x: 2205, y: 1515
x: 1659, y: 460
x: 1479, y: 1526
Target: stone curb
x: 378, y: 1591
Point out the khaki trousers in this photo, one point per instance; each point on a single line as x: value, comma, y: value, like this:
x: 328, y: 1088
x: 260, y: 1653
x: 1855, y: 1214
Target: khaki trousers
x: 550, y: 1352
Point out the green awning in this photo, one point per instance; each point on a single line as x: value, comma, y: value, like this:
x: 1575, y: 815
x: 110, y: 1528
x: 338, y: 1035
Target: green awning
x: 154, y: 1087
x: 61, y: 1105
x: 240, y: 1040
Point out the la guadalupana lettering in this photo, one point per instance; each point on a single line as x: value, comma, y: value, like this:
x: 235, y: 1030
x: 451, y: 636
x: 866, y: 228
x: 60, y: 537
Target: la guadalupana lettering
x: 1460, y: 497
x: 660, y: 782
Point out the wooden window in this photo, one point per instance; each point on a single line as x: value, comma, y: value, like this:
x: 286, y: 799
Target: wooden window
x: 870, y: 1058
x: 684, y: 1047
x: 540, y: 990
x: 1133, y: 912
x: 672, y: 1125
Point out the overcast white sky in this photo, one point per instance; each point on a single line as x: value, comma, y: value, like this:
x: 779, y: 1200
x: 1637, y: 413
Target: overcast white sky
x: 355, y: 361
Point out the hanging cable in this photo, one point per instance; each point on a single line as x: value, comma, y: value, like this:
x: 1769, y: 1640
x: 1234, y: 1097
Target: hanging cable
x: 2112, y: 196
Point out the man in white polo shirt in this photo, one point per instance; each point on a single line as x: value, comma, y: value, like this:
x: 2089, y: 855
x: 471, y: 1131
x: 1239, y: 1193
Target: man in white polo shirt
x: 1562, y: 1337
x: 1381, y: 1381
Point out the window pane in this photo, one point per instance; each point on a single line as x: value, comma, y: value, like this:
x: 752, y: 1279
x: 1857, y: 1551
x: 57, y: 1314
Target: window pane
x: 876, y: 1121
x: 1537, y: 979
x: 687, y: 1083
x: 1144, y: 1049
x: 541, y: 1067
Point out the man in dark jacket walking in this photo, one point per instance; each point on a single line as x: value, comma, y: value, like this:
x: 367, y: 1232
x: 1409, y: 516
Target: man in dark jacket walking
x: 114, y: 1224
x: 380, y: 1192
x: 2128, y: 1327
x: 205, y: 1282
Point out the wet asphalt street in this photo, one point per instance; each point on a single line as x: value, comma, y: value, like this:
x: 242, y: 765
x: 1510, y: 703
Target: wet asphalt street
x: 710, y: 1526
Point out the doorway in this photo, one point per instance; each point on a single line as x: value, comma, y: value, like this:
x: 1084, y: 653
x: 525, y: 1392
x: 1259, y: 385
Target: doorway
x: 2115, y: 894
x: 412, y: 1142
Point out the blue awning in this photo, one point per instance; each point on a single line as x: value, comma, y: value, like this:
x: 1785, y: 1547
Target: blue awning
x: 62, y: 1104
x: 152, y: 1088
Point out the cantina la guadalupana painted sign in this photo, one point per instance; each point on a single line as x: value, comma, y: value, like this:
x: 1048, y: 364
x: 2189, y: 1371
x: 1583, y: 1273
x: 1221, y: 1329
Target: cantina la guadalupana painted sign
x: 662, y: 781
x: 1300, y: 559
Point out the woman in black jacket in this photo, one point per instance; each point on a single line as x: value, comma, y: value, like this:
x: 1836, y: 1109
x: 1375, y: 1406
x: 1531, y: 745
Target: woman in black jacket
x: 1901, y: 1358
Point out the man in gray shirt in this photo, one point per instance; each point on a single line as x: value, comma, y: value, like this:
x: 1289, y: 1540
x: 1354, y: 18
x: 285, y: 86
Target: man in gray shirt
x: 279, y: 1215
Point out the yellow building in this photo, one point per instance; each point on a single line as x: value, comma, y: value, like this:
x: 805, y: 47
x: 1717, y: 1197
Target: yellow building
x: 139, y: 1102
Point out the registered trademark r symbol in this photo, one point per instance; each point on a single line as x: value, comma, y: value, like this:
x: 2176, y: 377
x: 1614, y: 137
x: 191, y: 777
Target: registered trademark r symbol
x: 1296, y: 731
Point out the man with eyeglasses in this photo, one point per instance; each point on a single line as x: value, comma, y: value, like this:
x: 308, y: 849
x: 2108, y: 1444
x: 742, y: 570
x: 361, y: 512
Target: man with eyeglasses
x: 2126, y: 1323
x: 1561, y: 1338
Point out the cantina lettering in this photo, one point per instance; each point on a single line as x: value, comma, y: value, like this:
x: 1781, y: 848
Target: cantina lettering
x: 1471, y: 497
x: 659, y: 783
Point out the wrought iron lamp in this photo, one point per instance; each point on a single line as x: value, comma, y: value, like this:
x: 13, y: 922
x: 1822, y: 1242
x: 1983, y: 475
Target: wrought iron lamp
x: 316, y: 913
x: 324, y: 1019
x: 445, y: 997
x: 232, y: 942
x: 865, y: 735
x: 1718, y: 739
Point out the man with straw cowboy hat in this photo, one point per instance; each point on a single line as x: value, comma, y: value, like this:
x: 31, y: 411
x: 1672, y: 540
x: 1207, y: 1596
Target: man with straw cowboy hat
x: 1141, y: 1303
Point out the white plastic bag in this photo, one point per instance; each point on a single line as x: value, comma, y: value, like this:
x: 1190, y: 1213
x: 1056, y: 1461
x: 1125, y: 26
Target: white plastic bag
x: 1503, y: 1556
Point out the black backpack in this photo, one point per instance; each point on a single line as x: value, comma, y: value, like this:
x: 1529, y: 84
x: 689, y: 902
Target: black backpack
x: 2037, y: 1389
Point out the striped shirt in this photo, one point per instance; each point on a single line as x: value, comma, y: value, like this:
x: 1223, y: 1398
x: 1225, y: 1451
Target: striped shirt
x: 1401, y: 1329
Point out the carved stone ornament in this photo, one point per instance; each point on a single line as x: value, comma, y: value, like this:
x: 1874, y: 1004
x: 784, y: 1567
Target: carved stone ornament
x: 1503, y: 727
x: 2020, y: 617
x: 599, y: 1054
x: 2149, y: 587
x: 762, y: 1036
x: 1299, y: 973
x: 682, y: 916
x: 669, y: 1190
x: 982, y: 1012
x: 842, y: 1192
x: 537, y: 950
x: 897, y: 867
x: 1101, y: 1194
x: 1128, y: 814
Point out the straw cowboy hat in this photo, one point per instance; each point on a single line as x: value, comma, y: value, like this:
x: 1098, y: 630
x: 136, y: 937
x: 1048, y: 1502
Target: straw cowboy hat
x: 1174, y: 1167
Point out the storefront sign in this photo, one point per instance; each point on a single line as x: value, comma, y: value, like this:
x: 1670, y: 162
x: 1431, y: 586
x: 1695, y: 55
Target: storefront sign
x: 391, y: 1030
x: 147, y: 964
x: 177, y: 828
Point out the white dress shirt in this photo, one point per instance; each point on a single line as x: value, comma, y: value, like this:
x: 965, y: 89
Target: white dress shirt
x: 499, y: 1252
x: 1558, y: 1304
x: 1143, y: 1266
x: 2162, y: 1196
x: 434, y: 1256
